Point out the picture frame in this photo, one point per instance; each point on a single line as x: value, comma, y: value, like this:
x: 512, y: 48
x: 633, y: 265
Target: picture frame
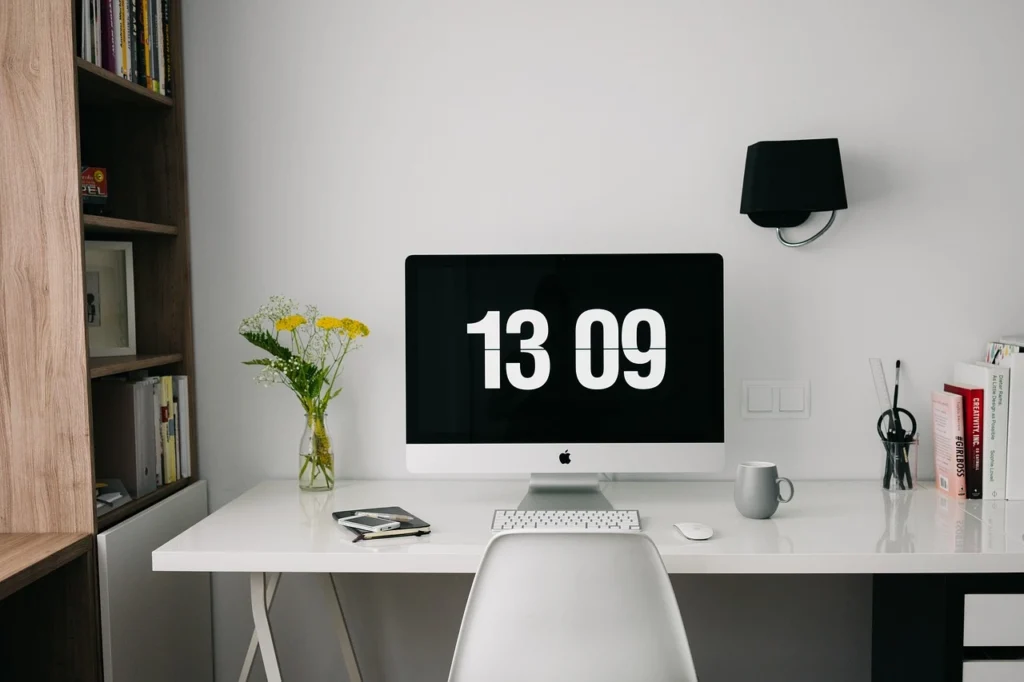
x: 109, y: 295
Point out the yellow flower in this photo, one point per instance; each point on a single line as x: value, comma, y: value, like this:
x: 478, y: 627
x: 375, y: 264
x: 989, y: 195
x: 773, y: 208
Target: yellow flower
x: 354, y: 328
x: 288, y: 324
x: 329, y: 323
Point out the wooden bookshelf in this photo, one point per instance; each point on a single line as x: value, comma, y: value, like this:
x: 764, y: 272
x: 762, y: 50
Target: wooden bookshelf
x: 98, y: 86
x: 58, y: 113
x: 105, y: 367
x: 99, y: 226
x: 26, y: 557
x: 116, y: 516
x: 49, y: 620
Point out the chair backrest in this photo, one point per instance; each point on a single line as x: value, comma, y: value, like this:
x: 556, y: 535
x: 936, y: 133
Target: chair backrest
x: 563, y: 606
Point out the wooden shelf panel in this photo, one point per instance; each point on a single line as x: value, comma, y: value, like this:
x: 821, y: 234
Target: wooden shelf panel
x: 104, y: 367
x: 103, y: 224
x: 26, y: 557
x: 97, y: 86
x: 116, y: 516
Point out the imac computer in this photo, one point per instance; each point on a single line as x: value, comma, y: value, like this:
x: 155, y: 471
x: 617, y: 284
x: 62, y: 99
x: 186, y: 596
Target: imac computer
x: 564, y: 367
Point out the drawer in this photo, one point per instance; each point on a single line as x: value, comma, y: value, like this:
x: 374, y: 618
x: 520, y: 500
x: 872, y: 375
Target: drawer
x: 994, y: 671
x: 994, y: 620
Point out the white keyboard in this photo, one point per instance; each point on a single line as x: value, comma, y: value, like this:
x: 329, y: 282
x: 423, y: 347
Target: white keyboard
x: 515, y: 519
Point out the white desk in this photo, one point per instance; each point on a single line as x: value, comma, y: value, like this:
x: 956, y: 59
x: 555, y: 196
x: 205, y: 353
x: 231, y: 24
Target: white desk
x: 830, y: 527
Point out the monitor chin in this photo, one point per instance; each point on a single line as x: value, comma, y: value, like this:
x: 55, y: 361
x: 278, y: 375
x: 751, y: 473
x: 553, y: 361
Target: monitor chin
x: 565, y: 458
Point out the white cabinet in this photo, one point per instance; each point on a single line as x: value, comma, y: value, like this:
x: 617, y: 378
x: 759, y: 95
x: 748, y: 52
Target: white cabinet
x: 156, y: 626
x: 994, y: 620
x: 994, y: 671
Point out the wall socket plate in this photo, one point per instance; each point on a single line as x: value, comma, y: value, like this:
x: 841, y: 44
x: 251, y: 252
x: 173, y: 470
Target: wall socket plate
x: 776, y: 399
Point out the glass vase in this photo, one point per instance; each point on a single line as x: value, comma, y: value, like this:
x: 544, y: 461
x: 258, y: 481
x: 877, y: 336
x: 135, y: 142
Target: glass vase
x: 316, y: 455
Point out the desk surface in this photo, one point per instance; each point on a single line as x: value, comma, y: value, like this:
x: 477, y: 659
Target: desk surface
x: 830, y: 527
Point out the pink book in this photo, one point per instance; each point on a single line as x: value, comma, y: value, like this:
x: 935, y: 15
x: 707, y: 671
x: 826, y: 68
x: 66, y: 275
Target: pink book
x: 950, y: 449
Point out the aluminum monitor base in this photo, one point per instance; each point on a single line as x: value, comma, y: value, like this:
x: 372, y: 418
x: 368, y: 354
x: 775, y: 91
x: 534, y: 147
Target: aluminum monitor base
x: 565, y: 492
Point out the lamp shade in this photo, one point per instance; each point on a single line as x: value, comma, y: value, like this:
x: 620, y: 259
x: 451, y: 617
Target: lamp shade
x: 785, y: 181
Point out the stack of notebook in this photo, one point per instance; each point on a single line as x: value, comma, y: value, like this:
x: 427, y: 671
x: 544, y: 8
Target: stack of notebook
x: 415, y: 527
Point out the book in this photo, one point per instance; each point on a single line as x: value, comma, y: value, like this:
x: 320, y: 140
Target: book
x: 133, y: 41
x: 995, y: 381
x: 948, y: 443
x: 109, y: 35
x: 123, y: 434
x: 167, y: 82
x: 170, y: 456
x: 114, y: 495
x: 146, y: 77
x: 160, y: 30
x: 177, y: 441
x: 154, y: 393
x: 1007, y: 353
x: 121, y: 54
x: 973, y: 398
x: 415, y: 527
x: 153, y: 36
x: 184, y: 425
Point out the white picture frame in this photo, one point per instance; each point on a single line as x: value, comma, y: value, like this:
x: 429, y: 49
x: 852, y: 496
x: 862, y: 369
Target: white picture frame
x: 109, y: 278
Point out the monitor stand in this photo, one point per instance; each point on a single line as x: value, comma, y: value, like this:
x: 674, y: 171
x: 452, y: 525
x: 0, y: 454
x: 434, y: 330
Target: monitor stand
x: 565, y: 492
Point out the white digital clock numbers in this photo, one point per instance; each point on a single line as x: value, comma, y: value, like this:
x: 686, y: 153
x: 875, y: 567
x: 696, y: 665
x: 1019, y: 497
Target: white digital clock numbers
x: 655, y: 356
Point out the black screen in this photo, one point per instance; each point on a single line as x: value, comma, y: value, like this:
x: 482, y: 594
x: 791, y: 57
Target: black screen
x: 595, y: 377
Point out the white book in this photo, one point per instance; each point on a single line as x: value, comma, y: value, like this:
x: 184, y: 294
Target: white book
x: 116, y: 20
x: 83, y: 34
x: 1007, y: 353
x: 995, y: 380
x: 97, y: 33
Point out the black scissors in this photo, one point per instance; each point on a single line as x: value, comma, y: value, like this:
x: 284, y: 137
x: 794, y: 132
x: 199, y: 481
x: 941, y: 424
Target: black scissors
x: 897, y: 440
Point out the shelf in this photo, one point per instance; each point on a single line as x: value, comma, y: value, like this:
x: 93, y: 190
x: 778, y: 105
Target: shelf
x: 98, y: 86
x: 116, y: 516
x: 98, y: 224
x: 104, y: 367
x: 26, y: 557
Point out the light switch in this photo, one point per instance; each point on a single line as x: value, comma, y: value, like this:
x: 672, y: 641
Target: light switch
x: 760, y: 398
x: 776, y: 399
x: 791, y: 399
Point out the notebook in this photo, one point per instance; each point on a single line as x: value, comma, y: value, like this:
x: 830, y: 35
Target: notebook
x: 415, y: 527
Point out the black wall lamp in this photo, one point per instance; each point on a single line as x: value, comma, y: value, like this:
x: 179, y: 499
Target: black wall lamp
x: 785, y: 181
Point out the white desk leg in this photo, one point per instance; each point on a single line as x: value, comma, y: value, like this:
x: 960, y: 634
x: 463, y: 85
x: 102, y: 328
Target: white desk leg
x: 254, y: 643
x: 347, y: 652
x: 258, y: 597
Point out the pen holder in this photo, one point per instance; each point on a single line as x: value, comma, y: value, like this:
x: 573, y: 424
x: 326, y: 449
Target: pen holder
x: 899, y: 468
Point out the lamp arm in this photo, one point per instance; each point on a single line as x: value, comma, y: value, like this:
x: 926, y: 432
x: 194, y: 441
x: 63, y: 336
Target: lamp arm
x: 805, y: 242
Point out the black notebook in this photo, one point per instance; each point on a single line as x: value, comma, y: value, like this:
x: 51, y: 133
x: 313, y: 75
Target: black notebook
x: 415, y: 527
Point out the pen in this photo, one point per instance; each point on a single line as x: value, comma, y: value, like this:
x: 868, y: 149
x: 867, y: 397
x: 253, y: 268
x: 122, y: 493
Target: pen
x: 386, y: 517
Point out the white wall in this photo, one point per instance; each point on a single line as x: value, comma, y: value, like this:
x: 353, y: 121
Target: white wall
x: 329, y: 139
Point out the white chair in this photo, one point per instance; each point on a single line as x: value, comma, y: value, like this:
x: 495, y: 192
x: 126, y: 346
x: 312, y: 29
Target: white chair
x: 564, y: 606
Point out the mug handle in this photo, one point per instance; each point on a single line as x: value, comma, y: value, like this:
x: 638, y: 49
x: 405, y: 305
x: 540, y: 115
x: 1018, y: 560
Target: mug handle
x: 791, y: 488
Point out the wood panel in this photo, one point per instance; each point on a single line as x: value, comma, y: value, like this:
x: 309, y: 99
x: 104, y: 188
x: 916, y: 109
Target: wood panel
x: 46, y: 481
x: 49, y: 629
x: 98, y: 225
x: 26, y: 557
x: 96, y: 85
x: 105, y: 367
x: 183, y: 244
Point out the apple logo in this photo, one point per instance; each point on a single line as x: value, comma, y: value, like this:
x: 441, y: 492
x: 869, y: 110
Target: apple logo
x: 564, y: 457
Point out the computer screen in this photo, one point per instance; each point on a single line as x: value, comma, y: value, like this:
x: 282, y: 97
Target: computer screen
x: 564, y: 349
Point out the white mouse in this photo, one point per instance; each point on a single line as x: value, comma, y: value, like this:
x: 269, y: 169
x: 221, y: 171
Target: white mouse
x: 695, y: 531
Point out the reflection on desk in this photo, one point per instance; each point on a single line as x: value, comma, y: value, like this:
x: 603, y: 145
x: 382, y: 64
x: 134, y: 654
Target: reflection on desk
x: 830, y: 527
